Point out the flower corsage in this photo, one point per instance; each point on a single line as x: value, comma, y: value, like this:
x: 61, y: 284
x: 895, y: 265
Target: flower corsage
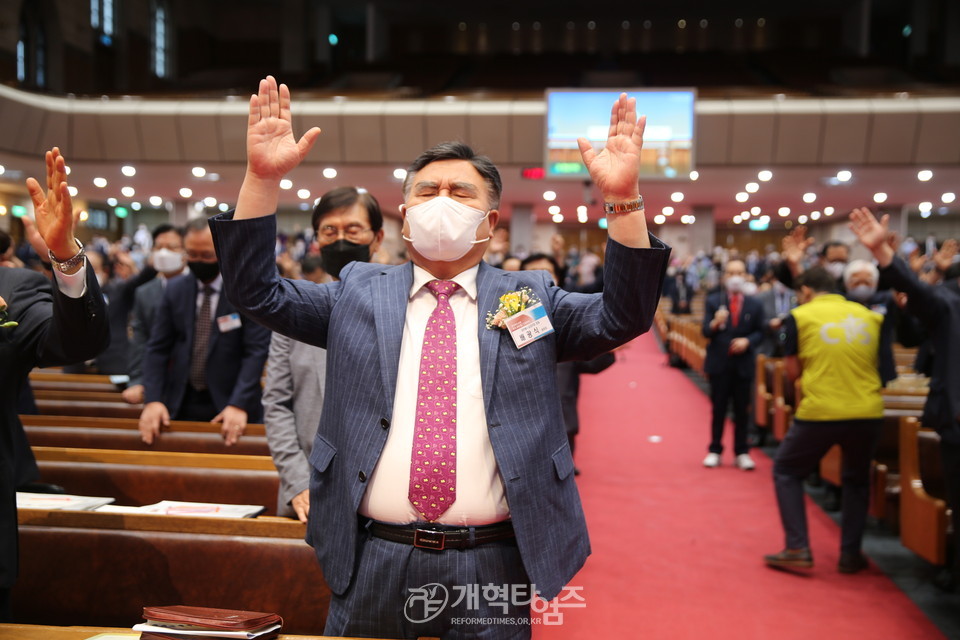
x: 511, y: 304
x: 4, y: 323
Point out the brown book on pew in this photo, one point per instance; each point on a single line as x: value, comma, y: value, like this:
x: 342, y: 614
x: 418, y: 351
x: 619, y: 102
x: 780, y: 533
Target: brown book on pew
x: 182, y: 622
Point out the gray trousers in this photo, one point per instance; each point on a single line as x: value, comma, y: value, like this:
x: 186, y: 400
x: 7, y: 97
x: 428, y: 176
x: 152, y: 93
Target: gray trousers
x: 400, y: 591
x: 798, y: 456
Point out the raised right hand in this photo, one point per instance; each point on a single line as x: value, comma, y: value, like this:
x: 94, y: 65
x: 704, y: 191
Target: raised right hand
x: 272, y: 150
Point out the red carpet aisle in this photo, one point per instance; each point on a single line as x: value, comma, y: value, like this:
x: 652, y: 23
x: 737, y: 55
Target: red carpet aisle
x: 677, y: 548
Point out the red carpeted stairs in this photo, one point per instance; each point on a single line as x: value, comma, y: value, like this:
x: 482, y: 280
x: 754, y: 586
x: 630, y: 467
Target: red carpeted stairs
x: 677, y: 548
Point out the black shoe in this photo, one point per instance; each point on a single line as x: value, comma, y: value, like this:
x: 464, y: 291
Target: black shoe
x: 945, y: 580
x: 790, y: 559
x: 576, y: 471
x: 852, y: 562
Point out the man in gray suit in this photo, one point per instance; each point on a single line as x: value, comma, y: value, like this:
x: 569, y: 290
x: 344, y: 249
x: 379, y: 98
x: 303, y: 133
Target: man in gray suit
x: 348, y: 225
x: 408, y: 350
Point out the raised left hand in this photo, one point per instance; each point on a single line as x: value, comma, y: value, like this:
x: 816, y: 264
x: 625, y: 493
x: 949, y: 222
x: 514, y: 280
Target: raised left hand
x: 616, y: 169
x: 234, y: 423
x: 55, y: 218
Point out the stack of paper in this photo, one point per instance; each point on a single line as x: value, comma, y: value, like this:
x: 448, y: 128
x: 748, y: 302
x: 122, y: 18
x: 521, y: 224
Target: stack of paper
x: 208, y: 509
x: 184, y: 622
x: 154, y: 630
x: 59, y: 501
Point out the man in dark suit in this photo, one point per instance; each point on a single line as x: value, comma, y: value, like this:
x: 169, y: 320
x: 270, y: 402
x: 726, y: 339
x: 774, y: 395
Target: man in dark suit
x: 734, y: 324
x: 204, y: 360
x: 168, y: 259
x: 938, y: 307
x: 777, y: 301
x: 56, y: 323
x: 504, y: 508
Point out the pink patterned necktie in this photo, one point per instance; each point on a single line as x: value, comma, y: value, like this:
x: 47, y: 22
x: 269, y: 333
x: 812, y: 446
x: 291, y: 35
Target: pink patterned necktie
x: 433, y: 463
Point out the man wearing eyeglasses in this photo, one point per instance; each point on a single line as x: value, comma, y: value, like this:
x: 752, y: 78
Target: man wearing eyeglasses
x: 349, y: 228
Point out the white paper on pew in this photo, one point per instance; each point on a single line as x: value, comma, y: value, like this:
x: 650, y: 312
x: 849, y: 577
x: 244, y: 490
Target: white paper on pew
x: 187, y: 630
x: 116, y: 508
x: 203, y: 509
x: 59, y: 501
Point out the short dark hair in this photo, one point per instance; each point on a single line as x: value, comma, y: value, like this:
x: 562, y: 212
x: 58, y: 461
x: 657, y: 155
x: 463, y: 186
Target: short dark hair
x: 458, y: 151
x: 343, y: 198
x: 311, y: 263
x: 166, y: 227
x: 537, y: 257
x: 196, y: 224
x: 818, y: 279
x: 5, y: 241
x: 830, y: 244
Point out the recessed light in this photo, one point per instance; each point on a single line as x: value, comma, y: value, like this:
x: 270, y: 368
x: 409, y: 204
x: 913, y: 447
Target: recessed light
x: 303, y: 194
x: 558, y: 218
x: 755, y: 210
x: 743, y: 196
x: 128, y: 170
x: 156, y: 201
x: 112, y: 202
x: 549, y: 196
x: 136, y: 206
x: 694, y: 175
x: 676, y: 196
x: 286, y: 184
x: 828, y: 211
x: 400, y: 174
x: 844, y: 175
x: 948, y: 197
x: 737, y: 219
x: 814, y: 215
x: 209, y: 201
x: 802, y: 219
x: 925, y: 206
x: 783, y: 211
x: 72, y: 191
x: 128, y: 192
x: 659, y: 218
x: 553, y: 209
x: 667, y: 211
x: 224, y: 207
x: 186, y: 192
x: 582, y: 210
x: 924, y: 175
x: 752, y: 187
x: 199, y: 172
x: 765, y: 175
x: 330, y: 173
x: 809, y: 197
x: 100, y: 182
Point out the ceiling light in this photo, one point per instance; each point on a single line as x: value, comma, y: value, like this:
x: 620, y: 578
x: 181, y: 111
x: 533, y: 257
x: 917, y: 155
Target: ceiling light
x: 676, y: 196
x: 879, y: 197
x: 815, y: 215
x: 128, y: 192
x: 948, y: 197
x: 667, y: 211
x: 844, y: 175
x: 745, y: 215
x: 136, y: 206
x: 224, y: 207
x: 72, y: 191
x: 755, y: 210
x: 659, y: 218
x: 100, y: 182
x: 400, y: 174
x: 802, y: 219
x: 737, y: 220
x: 128, y: 170
x: 924, y: 175
x: 765, y: 175
x: 209, y: 201
x: 199, y: 172
x: 156, y: 201
x: 691, y: 219
x: 926, y: 206
x: 783, y: 211
x: 553, y: 209
x: 924, y: 214
x: 66, y: 168
x: 303, y: 194
x: 112, y: 202
x: 186, y: 192
x: 582, y: 210
x: 549, y: 196
x: 84, y: 215
x: 694, y: 175
x: 743, y: 196
x: 828, y: 211
x: 558, y: 218
x: 752, y: 187
x: 286, y: 184
x: 330, y: 173
x: 809, y: 197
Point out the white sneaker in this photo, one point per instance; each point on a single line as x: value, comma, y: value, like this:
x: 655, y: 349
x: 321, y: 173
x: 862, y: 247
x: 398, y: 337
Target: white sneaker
x: 745, y: 462
x: 712, y: 460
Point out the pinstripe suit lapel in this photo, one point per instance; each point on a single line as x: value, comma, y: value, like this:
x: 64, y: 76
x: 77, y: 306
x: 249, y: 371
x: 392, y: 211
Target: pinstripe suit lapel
x: 491, y: 284
x: 390, y: 293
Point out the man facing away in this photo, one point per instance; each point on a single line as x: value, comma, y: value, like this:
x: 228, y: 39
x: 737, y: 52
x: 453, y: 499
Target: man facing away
x: 487, y: 495
x: 833, y: 345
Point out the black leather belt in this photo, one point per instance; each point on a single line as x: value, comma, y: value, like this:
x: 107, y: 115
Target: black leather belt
x: 440, y: 537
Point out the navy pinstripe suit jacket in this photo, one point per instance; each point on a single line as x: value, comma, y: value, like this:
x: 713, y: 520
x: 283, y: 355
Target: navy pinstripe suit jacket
x: 360, y: 319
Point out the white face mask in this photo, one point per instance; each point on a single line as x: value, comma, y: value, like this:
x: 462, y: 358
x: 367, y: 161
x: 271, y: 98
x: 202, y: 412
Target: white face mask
x: 167, y: 261
x: 734, y: 284
x: 443, y: 229
x: 836, y: 268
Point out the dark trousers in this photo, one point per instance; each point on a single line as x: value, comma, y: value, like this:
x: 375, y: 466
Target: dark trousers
x: 950, y: 458
x: 724, y: 388
x: 798, y: 456
x: 400, y: 591
x: 196, y: 406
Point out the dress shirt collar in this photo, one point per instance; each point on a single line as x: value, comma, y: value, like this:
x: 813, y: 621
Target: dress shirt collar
x: 466, y: 279
x: 216, y: 284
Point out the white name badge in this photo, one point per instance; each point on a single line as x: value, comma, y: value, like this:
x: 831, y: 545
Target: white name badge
x: 529, y: 325
x: 229, y: 323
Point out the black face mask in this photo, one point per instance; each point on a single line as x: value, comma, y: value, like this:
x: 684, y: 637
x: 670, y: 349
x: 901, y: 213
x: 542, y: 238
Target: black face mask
x: 205, y: 271
x: 337, y: 255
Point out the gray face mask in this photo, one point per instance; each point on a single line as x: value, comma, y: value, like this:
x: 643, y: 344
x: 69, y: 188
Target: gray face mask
x: 861, y: 293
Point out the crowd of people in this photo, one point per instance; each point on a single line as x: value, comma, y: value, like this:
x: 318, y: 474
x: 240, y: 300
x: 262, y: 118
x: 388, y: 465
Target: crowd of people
x: 198, y: 313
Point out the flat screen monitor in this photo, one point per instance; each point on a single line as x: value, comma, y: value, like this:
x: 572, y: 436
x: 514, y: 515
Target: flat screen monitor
x: 582, y: 113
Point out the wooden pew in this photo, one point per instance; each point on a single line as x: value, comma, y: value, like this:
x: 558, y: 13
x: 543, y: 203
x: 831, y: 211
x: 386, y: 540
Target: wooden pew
x: 923, y: 511
x: 763, y: 391
x: 101, y: 569
x: 45, y: 380
x: 119, y: 433
x: 785, y: 398
x: 137, y: 478
x: 92, y: 408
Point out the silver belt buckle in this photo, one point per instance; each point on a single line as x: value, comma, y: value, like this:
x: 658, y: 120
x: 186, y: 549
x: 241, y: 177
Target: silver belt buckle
x: 427, y: 539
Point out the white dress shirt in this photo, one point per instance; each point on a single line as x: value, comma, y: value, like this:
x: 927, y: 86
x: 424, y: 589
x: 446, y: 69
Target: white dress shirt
x: 481, y: 498
x: 72, y: 285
